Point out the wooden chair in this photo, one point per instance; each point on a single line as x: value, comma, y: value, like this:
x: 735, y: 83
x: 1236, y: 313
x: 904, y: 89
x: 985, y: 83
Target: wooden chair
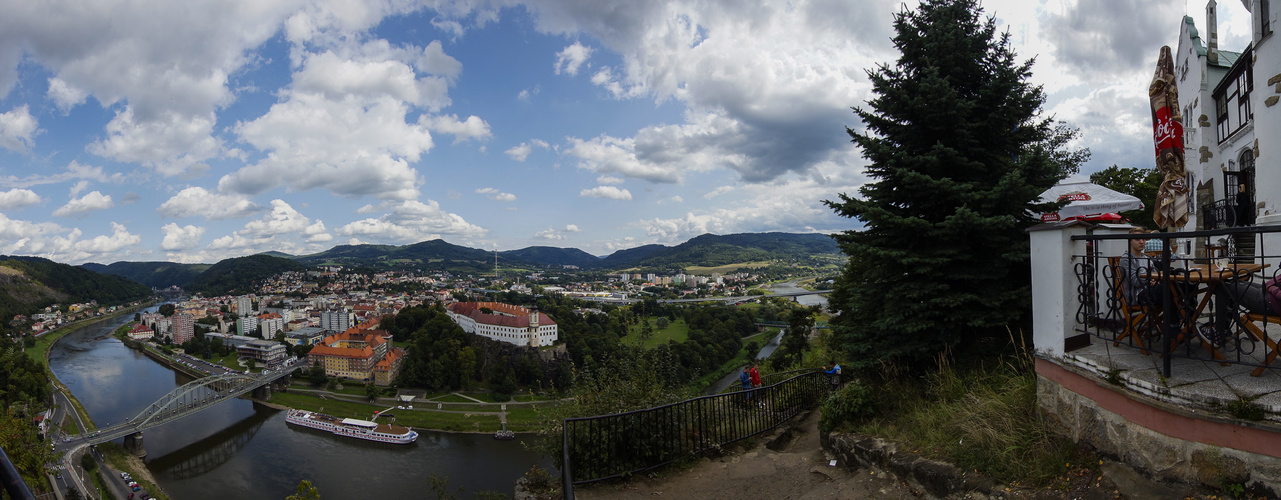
x: 1133, y: 316
x: 1248, y: 320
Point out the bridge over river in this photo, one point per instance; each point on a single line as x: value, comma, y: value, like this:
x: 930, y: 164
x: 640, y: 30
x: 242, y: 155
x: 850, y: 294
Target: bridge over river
x: 191, y: 398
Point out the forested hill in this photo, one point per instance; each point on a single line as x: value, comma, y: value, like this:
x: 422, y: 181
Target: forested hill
x: 239, y: 275
x: 719, y: 250
x: 152, y: 274
x: 28, y: 284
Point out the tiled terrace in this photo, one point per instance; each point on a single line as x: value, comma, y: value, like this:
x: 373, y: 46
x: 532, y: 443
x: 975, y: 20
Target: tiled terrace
x: 1196, y: 384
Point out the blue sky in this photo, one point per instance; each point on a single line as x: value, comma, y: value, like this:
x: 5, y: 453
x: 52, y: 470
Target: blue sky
x: 200, y: 130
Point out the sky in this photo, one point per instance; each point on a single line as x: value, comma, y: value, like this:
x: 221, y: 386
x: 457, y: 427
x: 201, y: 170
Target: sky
x: 194, y: 131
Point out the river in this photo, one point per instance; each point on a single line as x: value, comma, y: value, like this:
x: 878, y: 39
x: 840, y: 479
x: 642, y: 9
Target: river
x: 244, y: 450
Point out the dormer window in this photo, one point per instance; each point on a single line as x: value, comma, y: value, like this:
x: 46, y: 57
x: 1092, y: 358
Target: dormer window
x: 1232, y: 98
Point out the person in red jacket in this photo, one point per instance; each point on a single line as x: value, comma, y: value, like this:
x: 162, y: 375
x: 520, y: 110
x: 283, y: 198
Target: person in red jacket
x: 755, y: 375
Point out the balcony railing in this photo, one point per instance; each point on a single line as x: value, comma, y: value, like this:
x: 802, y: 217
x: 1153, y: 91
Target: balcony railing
x: 1210, y: 307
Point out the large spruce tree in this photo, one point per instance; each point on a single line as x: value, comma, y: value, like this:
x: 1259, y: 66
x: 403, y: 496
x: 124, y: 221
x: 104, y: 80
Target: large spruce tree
x: 959, y: 153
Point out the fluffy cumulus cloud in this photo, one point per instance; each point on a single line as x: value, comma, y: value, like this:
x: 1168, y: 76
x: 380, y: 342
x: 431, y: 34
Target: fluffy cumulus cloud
x: 608, y: 192
x: 77, y: 207
x: 55, y: 242
x: 17, y: 129
x: 776, y: 78
x: 522, y: 151
x: 282, y: 219
x: 198, y: 202
x: 282, y: 229
x: 18, y: 198
x: 410, y: 222
x: 571, y: 58
x: 552, y: 233
x: 496, y: 195
x: 75, y: 172
x: 180, y: 238
x: 168, y: 64
x: 471, y: 128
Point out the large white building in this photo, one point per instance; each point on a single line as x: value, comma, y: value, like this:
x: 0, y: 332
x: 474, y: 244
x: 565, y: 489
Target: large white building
x: 1230, y: 121
x: 504, y: 322
x: 338, y: 320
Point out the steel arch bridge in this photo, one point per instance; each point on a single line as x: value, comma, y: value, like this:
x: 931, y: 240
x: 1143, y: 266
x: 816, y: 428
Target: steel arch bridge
x: 191, y: 398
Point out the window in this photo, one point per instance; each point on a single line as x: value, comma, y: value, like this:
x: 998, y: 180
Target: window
x: 1232, y: 100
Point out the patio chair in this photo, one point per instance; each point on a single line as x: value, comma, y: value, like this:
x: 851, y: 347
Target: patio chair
x: 1133, y: 316
x: 1248, y: 320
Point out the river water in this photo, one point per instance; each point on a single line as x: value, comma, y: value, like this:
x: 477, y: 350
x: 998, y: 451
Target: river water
x: 243, y: 450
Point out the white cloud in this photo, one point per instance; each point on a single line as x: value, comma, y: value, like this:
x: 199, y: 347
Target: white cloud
x: 18, y: 198
x: 349, y: 147
x: 471, y: 128
x: 197, y: 202
x: 526, y: 94
x: 609, y: 192
x: 91, y: 201
x: 64, y: 95
x: 571, y: 228
x: 338, y: 77
x: 171, y: 143
x: 79, y: 187
x: 521, y: 152
x: 573, y: 56
x: 614, y: 155
x: 496, y: 195
x: 75, y: 170
x: 56, y: 243
x: 180, y: 238
x: 410, y: 222
x: 609, y: 179
x: 17, y: 128
x: 549, y: 234
x: 316, y: 233
x: 282, y: 219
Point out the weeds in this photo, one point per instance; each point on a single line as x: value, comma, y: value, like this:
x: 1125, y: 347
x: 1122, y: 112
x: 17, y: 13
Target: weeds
x: 981, y: 417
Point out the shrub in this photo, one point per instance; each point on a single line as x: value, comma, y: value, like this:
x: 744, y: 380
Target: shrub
x: 851, y: 404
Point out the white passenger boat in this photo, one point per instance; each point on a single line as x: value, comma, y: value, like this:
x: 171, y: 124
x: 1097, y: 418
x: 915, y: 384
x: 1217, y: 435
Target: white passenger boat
x: 351, y: 427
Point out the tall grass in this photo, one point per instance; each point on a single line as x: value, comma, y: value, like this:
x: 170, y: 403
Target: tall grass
x: 981, y: 417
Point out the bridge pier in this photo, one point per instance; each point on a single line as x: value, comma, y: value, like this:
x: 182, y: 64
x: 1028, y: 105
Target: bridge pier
x: 133, y: 444
x: 263, y: 393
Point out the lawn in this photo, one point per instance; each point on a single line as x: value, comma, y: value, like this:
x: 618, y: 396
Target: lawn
x: 423, y: 417
x: 676, y: 330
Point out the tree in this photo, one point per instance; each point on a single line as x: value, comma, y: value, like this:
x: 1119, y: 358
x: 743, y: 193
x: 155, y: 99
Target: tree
x: 73, y: 493
x: 88, y: 463
x: 1141, y: 183
x: 959, y: 154
x: 305, y: 491
x: 371, y: 391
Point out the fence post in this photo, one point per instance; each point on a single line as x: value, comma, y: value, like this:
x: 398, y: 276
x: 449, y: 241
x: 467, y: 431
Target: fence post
x: 566, y: 470
x: 1054, y: 301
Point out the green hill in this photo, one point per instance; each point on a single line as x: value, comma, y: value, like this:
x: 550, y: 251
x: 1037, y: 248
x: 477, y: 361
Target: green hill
x: 152, y: 274
x: 28, y: 284
x: 712, y: 250
x: 239, y: 275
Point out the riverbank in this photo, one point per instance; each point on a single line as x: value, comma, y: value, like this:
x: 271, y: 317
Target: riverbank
x: 45, y: 343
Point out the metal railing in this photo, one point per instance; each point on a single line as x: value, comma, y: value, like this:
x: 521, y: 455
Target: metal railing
x: 613, y: 446
x: 13, y: 483
x: 1187, y: 308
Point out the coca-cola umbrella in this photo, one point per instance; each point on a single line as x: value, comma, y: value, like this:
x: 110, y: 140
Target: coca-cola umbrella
x: 1087, y: 201
x: 1171, y: 210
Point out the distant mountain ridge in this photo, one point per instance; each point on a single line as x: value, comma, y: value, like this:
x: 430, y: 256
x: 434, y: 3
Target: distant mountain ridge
x: 705, y: 250
x: 28, y: 284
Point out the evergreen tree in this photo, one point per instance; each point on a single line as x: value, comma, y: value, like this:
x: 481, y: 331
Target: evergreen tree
x: 959, y: 154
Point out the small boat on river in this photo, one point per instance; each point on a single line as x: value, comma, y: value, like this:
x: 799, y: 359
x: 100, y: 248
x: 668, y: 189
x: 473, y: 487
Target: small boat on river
x: 351, y: 427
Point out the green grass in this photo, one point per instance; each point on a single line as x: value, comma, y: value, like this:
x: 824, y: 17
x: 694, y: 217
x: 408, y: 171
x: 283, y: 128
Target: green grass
x: 116, y: 457
x: 979, y: 418
x: 422, y: 417
x: 676, y: 330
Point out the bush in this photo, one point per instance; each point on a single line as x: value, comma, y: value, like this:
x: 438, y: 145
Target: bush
x: 851, y: 404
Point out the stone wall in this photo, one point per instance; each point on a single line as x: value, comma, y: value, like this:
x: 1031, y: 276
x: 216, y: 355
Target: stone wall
x: 1159, y: 455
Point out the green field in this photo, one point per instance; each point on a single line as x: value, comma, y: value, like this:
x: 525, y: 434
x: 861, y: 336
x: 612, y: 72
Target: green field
x: 676, y: 330
x: 521, y: 419
x: 726, y: 269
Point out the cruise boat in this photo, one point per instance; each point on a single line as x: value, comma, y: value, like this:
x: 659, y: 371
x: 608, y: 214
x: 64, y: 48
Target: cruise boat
x: 351, y: 427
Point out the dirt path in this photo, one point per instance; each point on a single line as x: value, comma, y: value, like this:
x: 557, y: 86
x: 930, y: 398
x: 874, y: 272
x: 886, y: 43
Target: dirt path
x: 800, y: 470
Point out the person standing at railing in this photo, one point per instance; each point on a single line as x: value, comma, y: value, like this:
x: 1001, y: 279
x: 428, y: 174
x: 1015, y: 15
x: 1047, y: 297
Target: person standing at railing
x: 755, y: 375
x: 745, y: 380
x: 833, y: 372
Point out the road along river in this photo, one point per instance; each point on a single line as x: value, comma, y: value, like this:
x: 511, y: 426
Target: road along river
x: 244, y: 450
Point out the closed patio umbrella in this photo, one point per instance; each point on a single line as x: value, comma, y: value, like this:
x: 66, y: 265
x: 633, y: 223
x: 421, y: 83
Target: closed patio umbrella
x: 1167, y: 135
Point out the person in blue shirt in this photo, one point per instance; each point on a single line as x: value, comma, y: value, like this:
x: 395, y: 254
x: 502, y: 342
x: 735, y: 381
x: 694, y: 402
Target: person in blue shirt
x: 745, y: 379
x: 833, y: 372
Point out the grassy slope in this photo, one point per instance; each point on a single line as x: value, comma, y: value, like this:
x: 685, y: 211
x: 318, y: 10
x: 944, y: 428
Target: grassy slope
x: 676, y: 330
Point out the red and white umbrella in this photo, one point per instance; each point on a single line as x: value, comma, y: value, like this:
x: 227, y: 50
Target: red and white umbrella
x: 1088, y: 201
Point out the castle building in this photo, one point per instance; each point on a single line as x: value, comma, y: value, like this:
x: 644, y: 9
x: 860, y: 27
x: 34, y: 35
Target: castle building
x: 504, y: 322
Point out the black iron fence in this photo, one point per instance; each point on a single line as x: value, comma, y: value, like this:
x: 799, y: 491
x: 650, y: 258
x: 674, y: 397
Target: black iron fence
x: 13, y: 483
x: 1197, y: 295
x: 613, y: 446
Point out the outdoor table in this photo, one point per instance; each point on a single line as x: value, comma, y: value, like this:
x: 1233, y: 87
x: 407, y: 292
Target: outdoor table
x: 1205, y: 279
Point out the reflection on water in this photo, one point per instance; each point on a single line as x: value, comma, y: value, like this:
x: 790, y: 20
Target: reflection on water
x: 243, y: 450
